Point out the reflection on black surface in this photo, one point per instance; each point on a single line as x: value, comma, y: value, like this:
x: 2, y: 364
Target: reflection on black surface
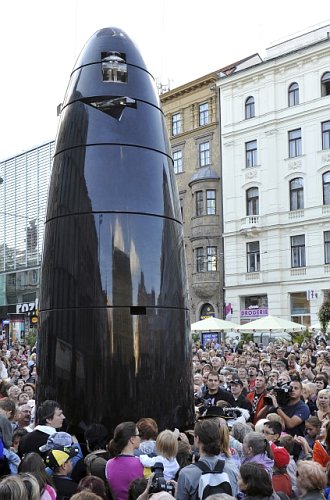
x: 114, y: 249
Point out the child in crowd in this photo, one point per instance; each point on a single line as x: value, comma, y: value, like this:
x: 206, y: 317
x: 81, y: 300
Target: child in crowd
x: 167, y: 448
x: 281, y: 480
x: 287, y: 442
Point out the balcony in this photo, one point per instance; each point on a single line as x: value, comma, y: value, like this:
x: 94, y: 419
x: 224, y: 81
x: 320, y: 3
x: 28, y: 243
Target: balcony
x: 298, y: 271
x: 252, y: 276
x: 296, y: 214
x: 250, y: 225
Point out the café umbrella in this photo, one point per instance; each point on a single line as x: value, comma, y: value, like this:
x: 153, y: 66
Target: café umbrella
x: 272, y: 323
x: 214, y: 325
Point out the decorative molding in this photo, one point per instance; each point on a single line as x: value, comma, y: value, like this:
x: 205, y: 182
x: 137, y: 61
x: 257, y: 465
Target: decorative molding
x: 295, y: 164
x: 325, y: 157
x: 251, y: 173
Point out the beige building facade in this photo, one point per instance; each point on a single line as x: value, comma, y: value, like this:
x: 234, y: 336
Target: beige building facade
x: 192, y: 119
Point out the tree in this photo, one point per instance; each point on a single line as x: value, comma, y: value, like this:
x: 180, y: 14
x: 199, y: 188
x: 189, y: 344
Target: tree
x: 324, y: 315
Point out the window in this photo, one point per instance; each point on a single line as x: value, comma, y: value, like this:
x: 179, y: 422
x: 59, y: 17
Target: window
x: 326, y: 188
x: 293, y: 94
x: 251, y: 153
x: 326, y: 135
x: 249, y: 108
x: 199, y: 203
x: 325, y: 84
x: 298, y: 258
x: 204, y: 154
x: 327, y: 247
x: 210, y: 201
x: 181, y: 208
x: 200, y: 260
x: 296, y: 193
x: 252, y: 201
x: 253, y: 257
x: 211, y: 258
x: 203, y: 114
x: 300, y: 308
x: 295, y: 143
x: 177, y: 159
x: 176, y: 124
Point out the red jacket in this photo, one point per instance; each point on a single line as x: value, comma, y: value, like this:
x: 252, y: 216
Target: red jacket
x: 260, y: 404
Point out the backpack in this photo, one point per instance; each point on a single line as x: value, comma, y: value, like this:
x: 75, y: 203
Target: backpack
x: 213, y: 481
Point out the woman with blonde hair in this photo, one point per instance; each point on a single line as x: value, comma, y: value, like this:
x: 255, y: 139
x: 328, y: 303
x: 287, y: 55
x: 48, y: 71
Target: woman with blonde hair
x: 31, y: 485
x: 311, y: 480
x: 323, y: 404
x: 228, y: 454
x: 13, y: 488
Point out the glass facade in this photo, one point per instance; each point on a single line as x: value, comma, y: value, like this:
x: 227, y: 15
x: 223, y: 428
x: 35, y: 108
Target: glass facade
x: 23, y: 203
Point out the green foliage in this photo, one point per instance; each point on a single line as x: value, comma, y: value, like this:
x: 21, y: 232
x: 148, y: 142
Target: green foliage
x: 196, y: 336
x: 300, y: 337
x: 324, y: 315
x: 246, y: 337
x: 31, y: 339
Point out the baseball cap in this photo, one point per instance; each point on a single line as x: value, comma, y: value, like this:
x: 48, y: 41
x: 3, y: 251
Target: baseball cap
x: 236, y: 381
x: 281, y: 456
x: 60, y: 441
x: 56, y: 458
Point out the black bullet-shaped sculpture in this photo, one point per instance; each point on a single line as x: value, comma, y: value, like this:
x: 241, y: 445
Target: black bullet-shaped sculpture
x: 114, y: 329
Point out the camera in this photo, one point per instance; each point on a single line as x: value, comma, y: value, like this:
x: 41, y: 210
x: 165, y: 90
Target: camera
x: 158, y: 481
x: 282, y: 392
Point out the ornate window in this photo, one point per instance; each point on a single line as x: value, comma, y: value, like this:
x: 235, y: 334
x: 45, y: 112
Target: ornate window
x: 253, y: 256
x: 199, y: 203
x: 211, y: 258
x: 210, y: 201
x: 296, y: 193
x: 204, y: 154
x: 295, y: 143
x: 251, y: 153
x: 326, y: 135
x: 249, y: 108
x: 252, y: 201
x: 177, y: 162
x: 200, y: 259
x: 325, y: 84
x: 327, y: 247
x: 298, y: 256
x: 203, y: 114
x: 326, y: 188
x: 293, y: 94
x: 176, y: 124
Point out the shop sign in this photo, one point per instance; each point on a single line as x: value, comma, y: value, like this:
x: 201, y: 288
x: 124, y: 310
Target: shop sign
x: 254, y: 313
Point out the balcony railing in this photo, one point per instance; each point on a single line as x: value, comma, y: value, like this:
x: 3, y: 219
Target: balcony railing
x: 298, y: 271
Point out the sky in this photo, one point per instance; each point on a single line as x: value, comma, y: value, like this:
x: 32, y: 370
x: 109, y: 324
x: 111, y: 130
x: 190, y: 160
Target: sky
x: 180, y: 40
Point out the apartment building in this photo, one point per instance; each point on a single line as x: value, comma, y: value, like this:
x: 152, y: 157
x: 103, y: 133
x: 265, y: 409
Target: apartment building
x: 275, y: 130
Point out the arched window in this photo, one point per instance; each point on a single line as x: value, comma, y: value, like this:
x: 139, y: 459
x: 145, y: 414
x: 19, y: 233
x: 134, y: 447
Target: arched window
x: 252, y: 201
x: 326, y: 188
x: 325, y: 84
x: 296, y: 193
x: 293, y: 94
x: 207, y: 310
x: 249, y: 108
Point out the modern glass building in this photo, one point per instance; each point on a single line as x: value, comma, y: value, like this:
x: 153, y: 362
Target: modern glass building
x: 23, y: 201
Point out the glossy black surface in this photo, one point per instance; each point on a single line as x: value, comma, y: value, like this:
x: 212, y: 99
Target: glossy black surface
x: 114, y: 331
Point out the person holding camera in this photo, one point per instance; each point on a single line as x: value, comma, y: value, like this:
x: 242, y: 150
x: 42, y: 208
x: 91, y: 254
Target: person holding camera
x: 295, y: 412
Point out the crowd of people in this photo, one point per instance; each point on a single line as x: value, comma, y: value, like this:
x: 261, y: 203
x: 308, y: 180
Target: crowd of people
x: 262, y: 432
